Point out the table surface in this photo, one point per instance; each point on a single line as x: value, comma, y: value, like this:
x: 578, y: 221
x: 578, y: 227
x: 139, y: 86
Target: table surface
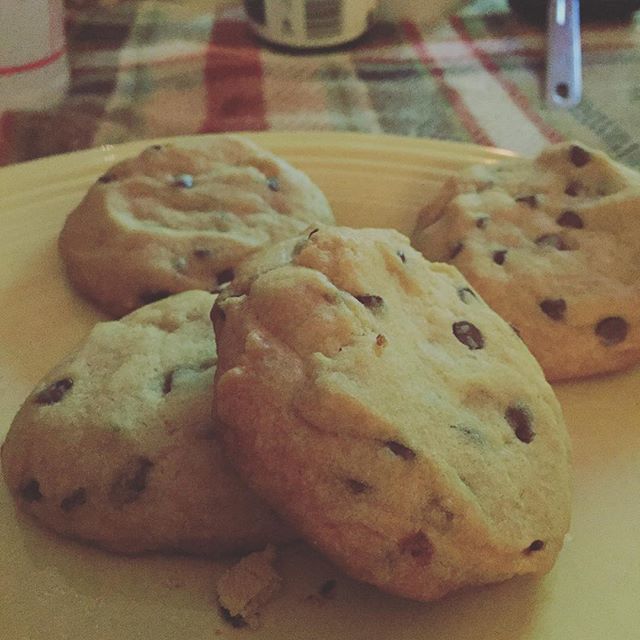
x: 156, y: 68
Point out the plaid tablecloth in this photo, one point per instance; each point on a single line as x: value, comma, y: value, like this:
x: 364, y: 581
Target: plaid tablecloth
x: 153, y: 68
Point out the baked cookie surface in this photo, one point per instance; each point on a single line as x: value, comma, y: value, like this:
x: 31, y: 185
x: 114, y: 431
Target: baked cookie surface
x: 553, y: 245
x: 389, y: 414
x: 115, y: 446
x: 180, y: 217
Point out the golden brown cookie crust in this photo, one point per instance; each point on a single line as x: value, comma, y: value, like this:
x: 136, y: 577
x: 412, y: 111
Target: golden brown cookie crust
x: 553, y: 245
x: 182, y: 216
x: 116, y: 446
x: 389, y: 414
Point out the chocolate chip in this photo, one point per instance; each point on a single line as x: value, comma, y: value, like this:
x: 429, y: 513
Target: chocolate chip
x: 467, y: 295
x: 147, y: 297
x: 30, y: 491
x: 357, y: 486
x: 73, y: 500
x: 519, y: 420
x: 456, y: 250
x: 129, y: 484
x: 536, y: 545
x: 481, y: 223
x: 578, y: 156
x: 554, y: 308
x: 418, y: 546
x: 612, y: 330
x: 217, y: 314
x: 106, y: 178
x: 225, y: 276
x: 168, y: 382
x: 273, y: 184
x: 402, y: 257
x: 328, y: 589
x: 237, y: 621
x: 530, y: 201
x: 500, y: 256
x: 468, y: 334
x: 202, y: 253
x: 54, y: 392
x: 570, y: 219
x: 552, y: 240
x: 574, y: 188
x: 184, y: 180
x: 370, y: 301
x: 400, y: 450
x: 381, y: 341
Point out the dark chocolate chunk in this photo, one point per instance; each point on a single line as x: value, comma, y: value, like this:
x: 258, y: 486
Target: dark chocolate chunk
x: 482, y: 222
x: 328, y: 589
x: 519, y: 420
x: 217, y: 313
x: 184, y: 180
x: 570, y: 219
x: 30, y: 491
x: 357, y: 486
x: 400, y: 450
x: 536, y: 545
x: 54, y: 392
x: 147, y: 297
x: 554, y: 308
x: 402, y: 257
x: 129, y: 484
x: 237, y: 621
x: 418, y: 546
x: 468, y: 334
x: 370, y: 301
x: 574, y: 188
x: 467, y: 295
x: 578, y: 156
x: 552, y: 240
x: 225, y: 276
x: 612, y: 330
x: 273, y: 184
x: 74, y: 499
x: 530, y: 201
x: 500, y: 256
x: 455, y: 250
x: 168, y: 382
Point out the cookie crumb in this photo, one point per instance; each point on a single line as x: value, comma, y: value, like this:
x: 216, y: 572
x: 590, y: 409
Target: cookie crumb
x: 247, y: 586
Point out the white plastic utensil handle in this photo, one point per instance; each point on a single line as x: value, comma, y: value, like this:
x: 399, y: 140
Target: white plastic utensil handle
x: 564, y: 56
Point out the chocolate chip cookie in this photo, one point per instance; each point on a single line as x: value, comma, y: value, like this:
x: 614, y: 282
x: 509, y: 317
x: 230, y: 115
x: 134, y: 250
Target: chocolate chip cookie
x: 117, y: 446
x: 181, y: 216
x: 389, y: 414
x: 553, y: 245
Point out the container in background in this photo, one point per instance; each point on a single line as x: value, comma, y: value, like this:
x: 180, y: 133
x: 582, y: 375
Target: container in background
x: 34, y: 72
x: 310, y: 24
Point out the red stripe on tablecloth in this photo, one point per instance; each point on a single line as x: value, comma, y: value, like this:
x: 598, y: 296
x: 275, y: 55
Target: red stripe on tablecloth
x: 478, y: 134
x: 517, y: 97
x: 233, y: 80
x: 33, y: 65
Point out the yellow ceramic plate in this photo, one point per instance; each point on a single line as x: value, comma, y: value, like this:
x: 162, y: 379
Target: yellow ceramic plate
x: 53, y: 589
